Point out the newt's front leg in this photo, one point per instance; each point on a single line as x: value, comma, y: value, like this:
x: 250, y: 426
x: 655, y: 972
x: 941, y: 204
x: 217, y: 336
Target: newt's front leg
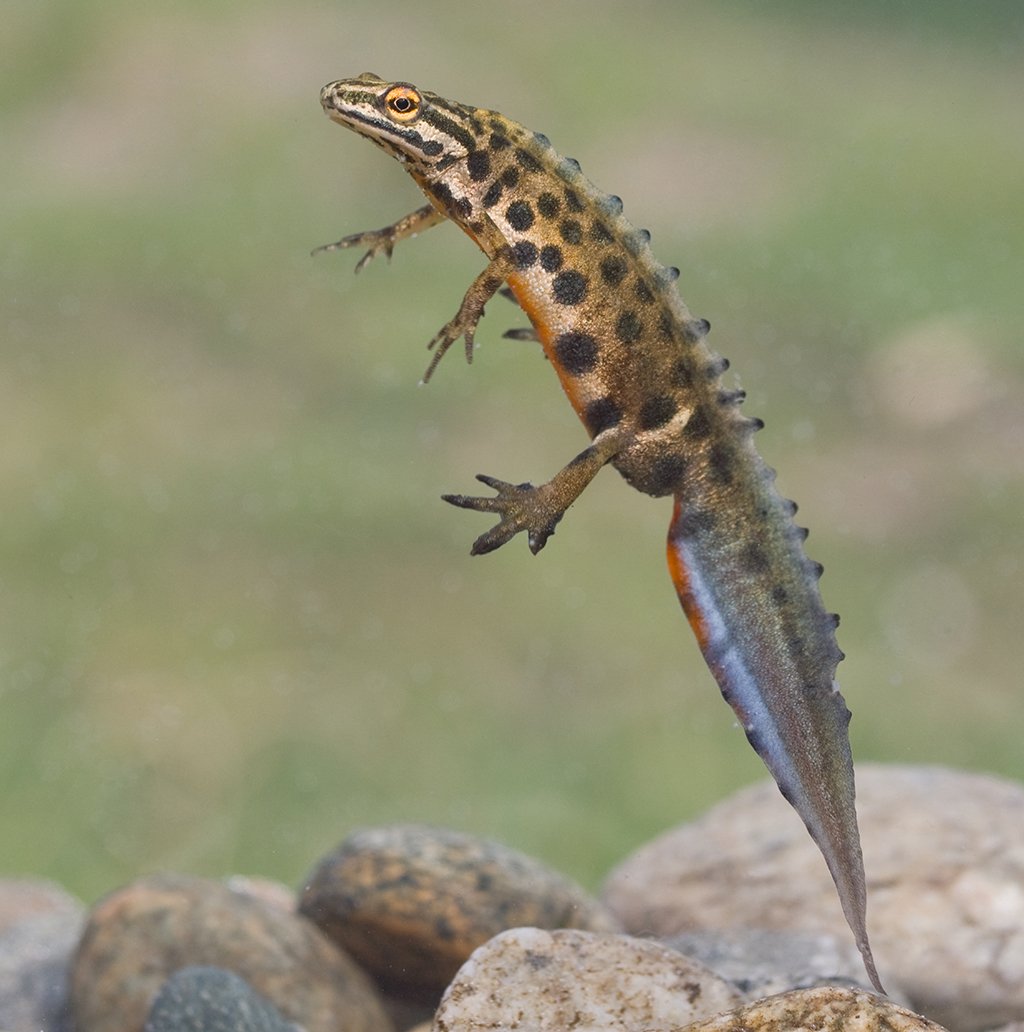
x: 537, y: 510
x: 382, y: 241
x: 481, y: 290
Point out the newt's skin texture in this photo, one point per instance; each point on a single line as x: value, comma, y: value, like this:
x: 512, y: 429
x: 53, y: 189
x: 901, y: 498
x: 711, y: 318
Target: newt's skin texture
x: 634, y: 364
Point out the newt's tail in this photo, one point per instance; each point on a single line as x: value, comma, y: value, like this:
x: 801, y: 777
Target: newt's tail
x: 752, y: 599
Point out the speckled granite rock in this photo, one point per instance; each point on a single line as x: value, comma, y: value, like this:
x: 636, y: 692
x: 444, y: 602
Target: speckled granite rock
x: 764, y: 963
x: 35, y: 958
x: 825, y: 1009
x: 410, y: 903
x: 944, y: 852
x: 527, y: 978
x: 210, y: 999
x: 139, y: 935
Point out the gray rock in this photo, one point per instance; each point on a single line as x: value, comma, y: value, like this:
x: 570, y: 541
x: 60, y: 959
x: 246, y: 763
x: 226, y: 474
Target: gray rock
x: 764, y: 963
x: 410, y: 903
x: 210, y: 999
x: 35, y: 957
x: 29, y: 897
x: 944, y: 853
x: 544, y: 981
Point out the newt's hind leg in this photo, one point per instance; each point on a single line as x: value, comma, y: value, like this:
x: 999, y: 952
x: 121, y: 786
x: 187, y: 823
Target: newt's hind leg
x: 537, y: 510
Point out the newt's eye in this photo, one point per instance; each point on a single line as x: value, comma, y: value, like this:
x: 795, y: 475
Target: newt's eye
x: 403, y: 103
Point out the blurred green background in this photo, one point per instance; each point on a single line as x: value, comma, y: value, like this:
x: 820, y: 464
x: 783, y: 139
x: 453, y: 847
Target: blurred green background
x: 235, y: 618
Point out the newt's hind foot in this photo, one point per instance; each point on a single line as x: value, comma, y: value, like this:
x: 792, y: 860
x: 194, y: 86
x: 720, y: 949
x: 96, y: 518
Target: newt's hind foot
x: 521, y: 507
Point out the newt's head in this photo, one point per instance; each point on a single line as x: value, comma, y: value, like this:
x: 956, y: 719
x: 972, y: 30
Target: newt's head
x: 420, y: 129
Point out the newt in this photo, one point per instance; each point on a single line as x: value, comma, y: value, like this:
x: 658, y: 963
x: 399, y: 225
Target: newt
x: 636, y: 367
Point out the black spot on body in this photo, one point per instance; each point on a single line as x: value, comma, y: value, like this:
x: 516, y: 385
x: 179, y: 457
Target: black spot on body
x: 551, y: 258
x: 570, y: 287
x: 464, y: 206
x: 571, y: 231
x: 613, y: 270
x: 720, y: 464
x: 601, y: 415
x: 681, y: 376
x: 493, y: 195
x: 665, y: 474
x: 527, y: 161
x: 643, y: 292
x: 696, y: 521
x: 525, y: 254
x: 479, y: 165
x: 519, y: 215
x: 576, y: 352
x: 780, y: 596
x: 754, y: 558
x: 432, y: 148
x: 548, y: 205
x: 601, y: 233
x: 498, y: 141
x: 572, y: 200
x: 443, y: 192
x: 666, y: 325
x: 510, y: 177
x: 657, y: 411
x: 698, y: 426
x: 628, y: 327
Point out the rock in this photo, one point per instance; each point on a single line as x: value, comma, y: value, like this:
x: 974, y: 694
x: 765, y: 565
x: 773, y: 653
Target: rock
x: 407, y: 1014
x: 763, y: 963
x: 266, y: 889
x: 27, y: 897
x: 138, y: 936
x: 35, y: 957
x: 210, y: 999
x: 826, y: 1009
x: 528, y: 978
x: 410, y: 903
x: 944, y: 852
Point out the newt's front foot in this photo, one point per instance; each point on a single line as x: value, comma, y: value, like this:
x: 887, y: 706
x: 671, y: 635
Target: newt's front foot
x: 382, y: 241
x: 378, y: 241
x: 521, y: 507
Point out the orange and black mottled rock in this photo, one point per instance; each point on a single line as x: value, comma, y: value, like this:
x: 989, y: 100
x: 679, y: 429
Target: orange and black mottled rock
x: 138, y: 936
x: 410, y: 902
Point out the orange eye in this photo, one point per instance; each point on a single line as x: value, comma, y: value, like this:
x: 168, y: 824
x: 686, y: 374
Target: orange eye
x: 403, y: 103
